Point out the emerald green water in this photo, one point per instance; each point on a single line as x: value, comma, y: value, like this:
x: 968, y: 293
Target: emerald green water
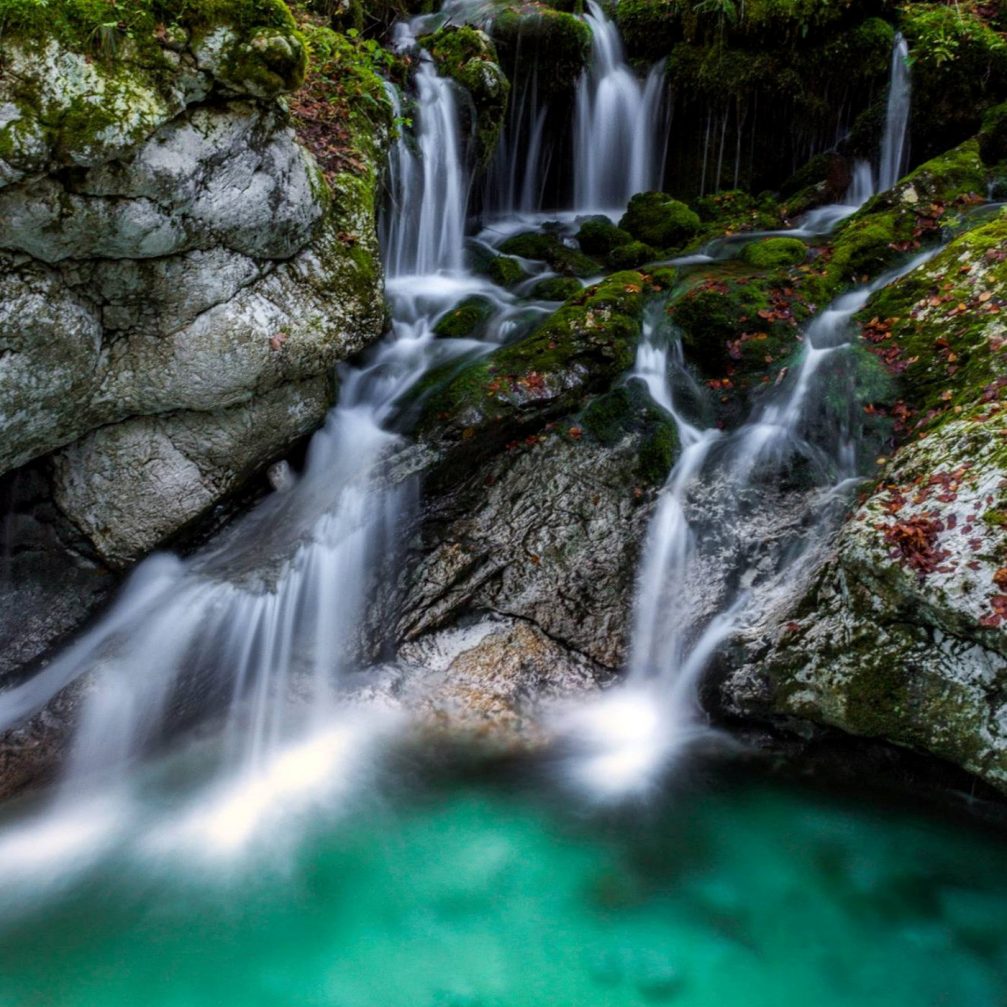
x: 751, y: 895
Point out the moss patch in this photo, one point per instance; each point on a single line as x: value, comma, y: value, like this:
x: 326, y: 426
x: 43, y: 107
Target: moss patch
x: 660, y: 221
x: 774, y: 253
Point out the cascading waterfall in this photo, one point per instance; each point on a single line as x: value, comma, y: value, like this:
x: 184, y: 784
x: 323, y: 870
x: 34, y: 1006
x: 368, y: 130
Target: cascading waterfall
x: 893, y: 143
x: 266, y: 622
x: 617, y: 131
x: 429, y: 191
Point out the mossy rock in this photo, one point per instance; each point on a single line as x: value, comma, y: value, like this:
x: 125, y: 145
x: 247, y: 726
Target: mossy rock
x: 556, y: 288
x: 628, y: 410
x: 660, y: 221
x: 630, y: 255
x: 774, y: 253
x: 575, y: 352
x: 468, y: 56
x: 912, y: 214
x: 940, y: 332
x: 466, y: 320
x: 598, y: 236
x: 550, y: 248
x: 555, y: 45
x: 504, y: 271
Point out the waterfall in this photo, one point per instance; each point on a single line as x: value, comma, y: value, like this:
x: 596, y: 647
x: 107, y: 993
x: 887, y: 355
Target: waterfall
x: 680, y: 618
x: 617, y: 147
x: 264, y: 625
x: 893, y: 143
x: 425, y: 224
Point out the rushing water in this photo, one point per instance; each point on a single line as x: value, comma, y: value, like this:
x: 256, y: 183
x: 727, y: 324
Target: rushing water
x: 618, y: 139
x: 893, y: 145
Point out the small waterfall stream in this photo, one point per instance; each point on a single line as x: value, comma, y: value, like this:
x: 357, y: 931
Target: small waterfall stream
x: 893, y: 144
x: 618, y: 140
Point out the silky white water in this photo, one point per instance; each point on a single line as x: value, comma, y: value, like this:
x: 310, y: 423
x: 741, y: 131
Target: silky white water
x: 618, y: 140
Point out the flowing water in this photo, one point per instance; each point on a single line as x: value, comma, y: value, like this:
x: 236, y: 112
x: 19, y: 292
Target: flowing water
x: 618, y: 134
x: 284, y: 853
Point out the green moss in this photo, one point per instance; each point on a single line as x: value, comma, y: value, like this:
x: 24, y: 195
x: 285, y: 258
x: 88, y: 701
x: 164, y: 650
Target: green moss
x: 660, y: 221
x: 556, y: 288
x: 469, y: 57
x: 101, y: 28
x: 940, y: 332
x: 734, y: 211
x: 551, y: 249
x: 598, y: 236
x: 628, y: 410
x: 774, y: 253
x: 505, y: 271
x: 555, y: 45
x: 630, y: 255
x: 576, y: 351
x: 904, y: 219
x: 466, y: 320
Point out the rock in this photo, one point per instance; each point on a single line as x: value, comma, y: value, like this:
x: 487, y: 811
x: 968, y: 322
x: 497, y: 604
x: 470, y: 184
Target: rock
x: 656, y: 219
x: 548, y: 533
x: 174, y: 267
x: 774, y: 253
x: 490, y: 681
x: 898, y: 635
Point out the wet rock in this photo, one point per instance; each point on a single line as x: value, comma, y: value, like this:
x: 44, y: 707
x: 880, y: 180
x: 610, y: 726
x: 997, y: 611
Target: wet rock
x: 491, y: 681
x: 548, y: 533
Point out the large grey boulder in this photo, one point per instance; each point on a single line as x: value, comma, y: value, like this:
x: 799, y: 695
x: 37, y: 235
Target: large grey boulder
x: 177, y: 279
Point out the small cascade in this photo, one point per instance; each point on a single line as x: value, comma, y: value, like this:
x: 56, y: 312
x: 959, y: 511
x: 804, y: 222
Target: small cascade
x: 862, y: 186
x: 893, y: 143
x: 617, y: 148
x: 681, y: 615
x: 429, y: 188
x: 517, y: 178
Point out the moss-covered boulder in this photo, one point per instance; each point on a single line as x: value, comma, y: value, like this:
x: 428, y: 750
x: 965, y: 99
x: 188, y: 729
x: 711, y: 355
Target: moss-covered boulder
x: 551, y: 249
x: 468, y: 56
x: 503, y: 270
x: 940, y: 331
x: 660, y: 221
x: 774, y: 253
x: 598, y: 236
x: 535, y: 39
x: 556, y: 288
x: 908, y: 217
x: 734, y: 211
x: 900, y: 634
x: 466, y: 320
x: 630, y: 256
x: 578, y: 350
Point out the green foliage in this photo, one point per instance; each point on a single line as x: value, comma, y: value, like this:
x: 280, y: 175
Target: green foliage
x: 959, y: 71
x: 993, y: 135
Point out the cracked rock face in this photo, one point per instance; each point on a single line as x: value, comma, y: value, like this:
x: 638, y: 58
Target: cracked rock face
x: 175, y: 279
x: 549, y: 535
